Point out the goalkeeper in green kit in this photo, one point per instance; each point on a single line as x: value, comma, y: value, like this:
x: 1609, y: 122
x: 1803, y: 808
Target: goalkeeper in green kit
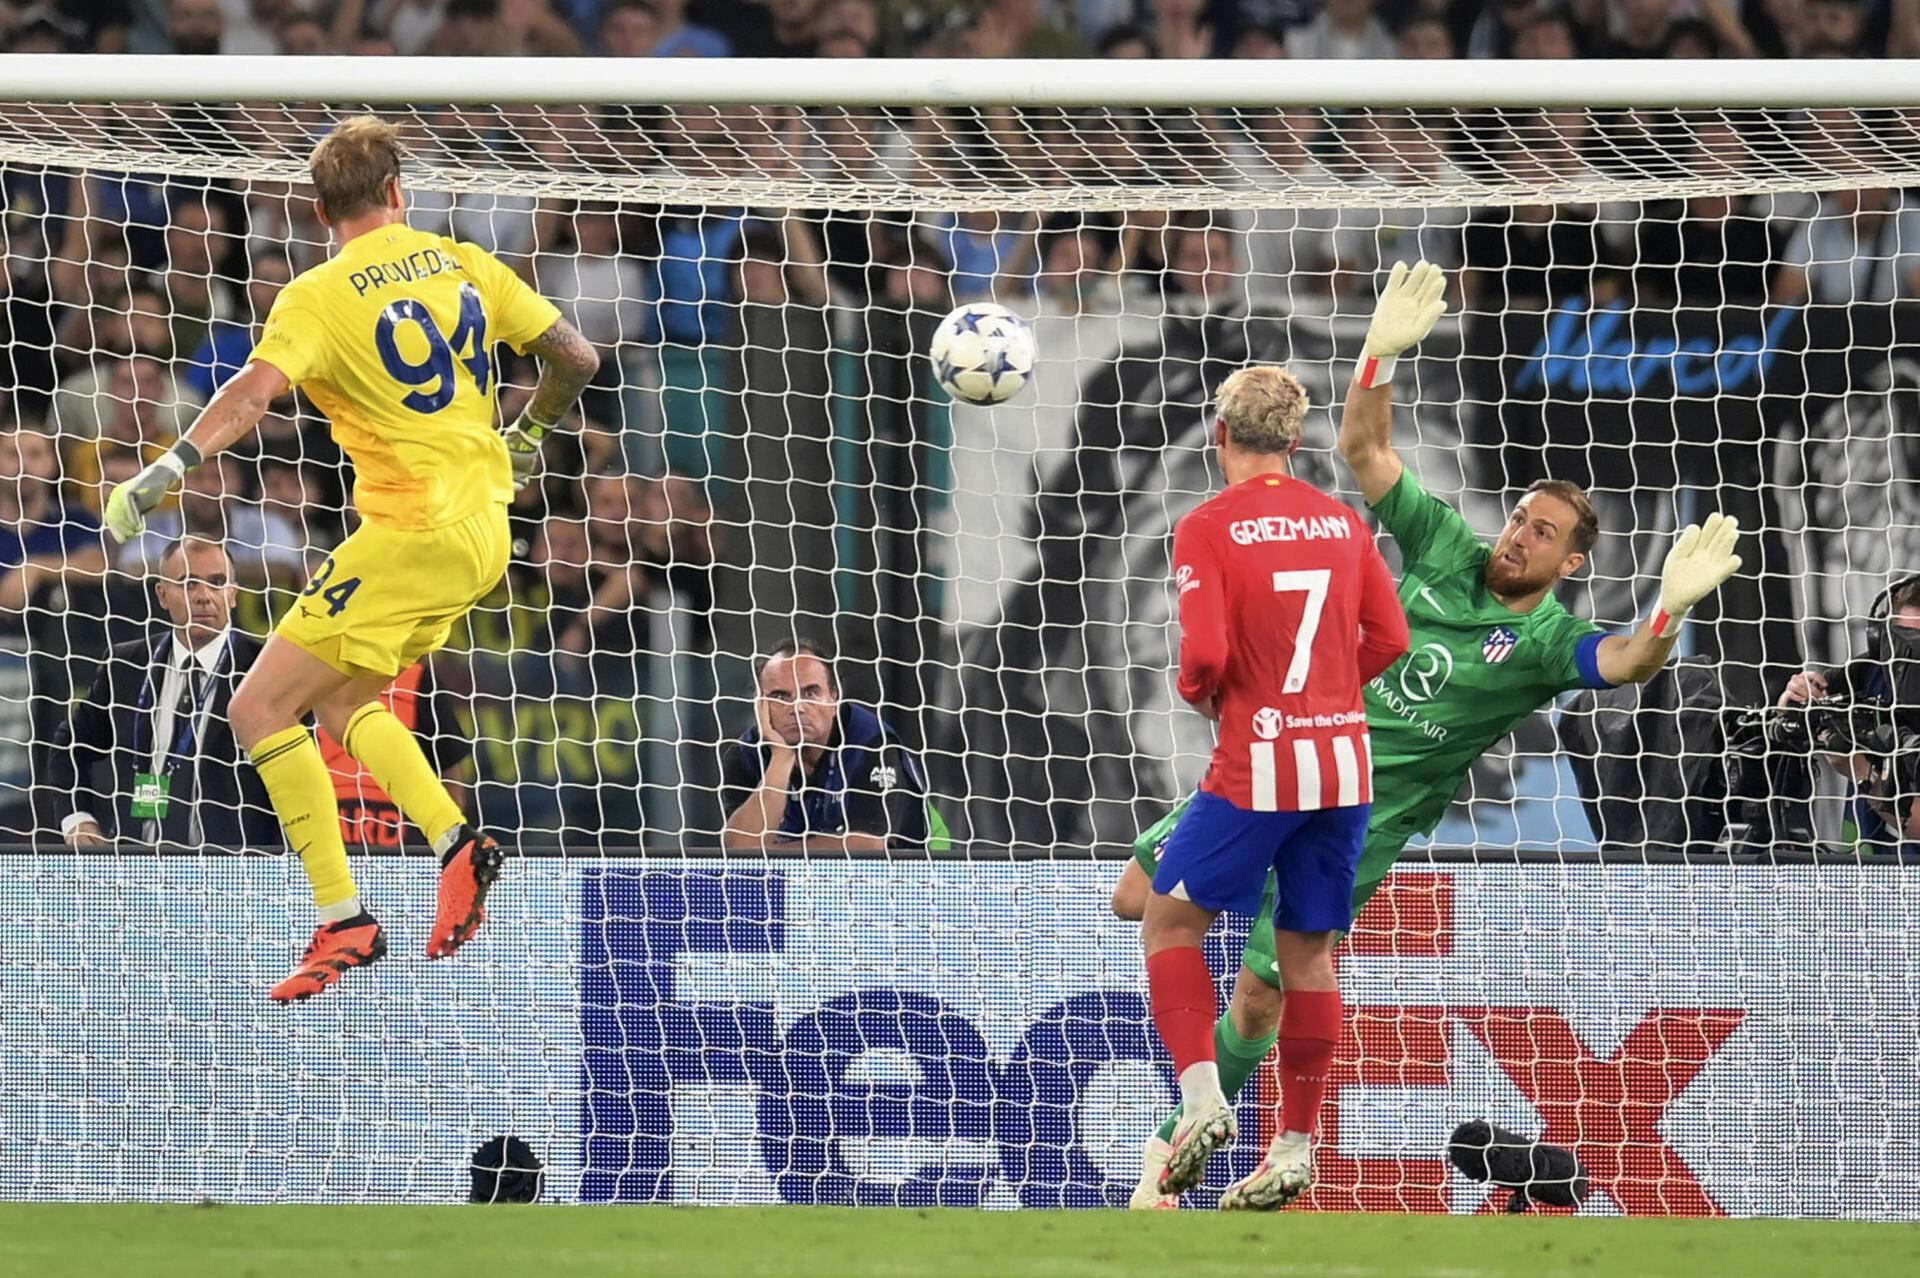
x: 1490, y: 645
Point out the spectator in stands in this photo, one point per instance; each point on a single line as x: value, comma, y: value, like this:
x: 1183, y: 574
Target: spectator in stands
x: 470, y: 28
x: 1425, y: 37
x: 791, y: 29
x: 68, y: 26
x: 1074, y: 276
x: 1259, y: 42
x: 1691, y: 39
x: 1835, y: 28
x: 852, y: 20
x: 302, y: 36
x: 819, y: 773
x: 1532, y: 256
x: 1289, y: 249
x: 147, y: 753
x: 264, y: 546
x: 1126, y: 42
x: 1344, y: 29
x: 1862, y: 246
x: 1019, y: 29
x: 629, y: 29
x: 197, y: 290
x: 603, y: 293
x: 504, y: 224
x: 195, y: 26
x: 1705, y: 252
x: 1203, y: 269
x: 681, y: 39
x: 291, y: 494
x: 410, y: 24
x: 1543, y: 35
x: 90, y: 282
x: 44, y: 541
x: 130, y: 403
x: 229, y: 343
x: 1403, y: 150
x: 694, y: 325
x: 987, y: 254
x: 1179, y: 31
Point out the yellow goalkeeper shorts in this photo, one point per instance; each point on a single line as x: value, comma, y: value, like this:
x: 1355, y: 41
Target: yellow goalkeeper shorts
x: 386, y: 598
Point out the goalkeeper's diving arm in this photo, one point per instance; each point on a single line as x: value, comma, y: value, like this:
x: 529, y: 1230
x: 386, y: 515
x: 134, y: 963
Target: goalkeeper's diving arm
x: 1702, y: 557
x: 1410, y: 305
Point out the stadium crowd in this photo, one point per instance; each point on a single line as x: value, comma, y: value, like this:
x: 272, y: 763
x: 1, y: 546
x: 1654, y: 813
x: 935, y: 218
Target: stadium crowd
x: 729, y: 335
x: 976, y: 28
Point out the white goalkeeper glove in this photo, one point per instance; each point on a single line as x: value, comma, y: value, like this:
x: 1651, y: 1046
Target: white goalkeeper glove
x: 1410, y: 305
x: 128, y: 503
x: 523, y: 440
x: 1702, y: 557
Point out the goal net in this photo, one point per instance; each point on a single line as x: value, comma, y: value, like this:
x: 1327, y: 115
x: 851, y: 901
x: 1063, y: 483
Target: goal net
x: 1682, y: 307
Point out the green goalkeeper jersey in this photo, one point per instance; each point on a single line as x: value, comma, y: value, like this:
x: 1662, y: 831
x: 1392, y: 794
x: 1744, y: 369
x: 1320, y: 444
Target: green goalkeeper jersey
x: 1474, y: 668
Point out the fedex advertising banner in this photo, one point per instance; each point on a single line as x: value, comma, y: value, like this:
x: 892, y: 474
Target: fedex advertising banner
x: 1710, y: 1039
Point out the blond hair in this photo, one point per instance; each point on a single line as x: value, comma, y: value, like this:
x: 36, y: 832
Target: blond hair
x: 352, y: 165
x: 1262, y: 408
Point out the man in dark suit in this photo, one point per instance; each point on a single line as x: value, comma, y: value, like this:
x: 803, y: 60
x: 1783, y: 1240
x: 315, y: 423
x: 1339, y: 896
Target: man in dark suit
x: 148, y: 753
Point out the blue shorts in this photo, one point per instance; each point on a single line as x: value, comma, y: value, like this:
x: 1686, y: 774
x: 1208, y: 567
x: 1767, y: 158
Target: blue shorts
x: 1219, y: 855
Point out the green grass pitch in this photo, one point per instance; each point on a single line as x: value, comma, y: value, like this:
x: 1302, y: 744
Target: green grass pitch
x: 141, y: 1241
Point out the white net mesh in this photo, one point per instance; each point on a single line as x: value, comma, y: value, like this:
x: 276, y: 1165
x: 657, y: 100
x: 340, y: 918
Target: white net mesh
x: 1684, y: 311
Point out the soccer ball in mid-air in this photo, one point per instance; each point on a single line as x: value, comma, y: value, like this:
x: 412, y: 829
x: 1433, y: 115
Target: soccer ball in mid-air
x: 982, y: 353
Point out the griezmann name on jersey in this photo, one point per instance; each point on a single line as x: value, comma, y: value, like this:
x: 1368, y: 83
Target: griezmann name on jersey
x: 1286, y: 611
x: 392, y: 339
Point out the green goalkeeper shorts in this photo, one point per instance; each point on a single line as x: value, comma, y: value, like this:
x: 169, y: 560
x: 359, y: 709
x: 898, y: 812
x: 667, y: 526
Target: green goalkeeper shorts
x: 1385, y: 842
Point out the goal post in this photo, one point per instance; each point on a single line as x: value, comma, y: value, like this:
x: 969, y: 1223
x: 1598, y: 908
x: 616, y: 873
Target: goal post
x: 1688, y: 288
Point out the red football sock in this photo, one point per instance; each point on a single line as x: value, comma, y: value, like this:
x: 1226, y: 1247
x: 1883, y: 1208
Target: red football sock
x: 1309, y: 1031
x: 1183, y: 1003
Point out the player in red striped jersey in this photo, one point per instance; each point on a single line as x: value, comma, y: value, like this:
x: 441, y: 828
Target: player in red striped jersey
x: 1286, y: 611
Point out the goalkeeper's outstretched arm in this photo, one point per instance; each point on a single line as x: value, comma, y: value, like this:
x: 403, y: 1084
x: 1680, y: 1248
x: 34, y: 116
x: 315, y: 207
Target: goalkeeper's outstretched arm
x: 1702, y: 557
x: 1409, y: 306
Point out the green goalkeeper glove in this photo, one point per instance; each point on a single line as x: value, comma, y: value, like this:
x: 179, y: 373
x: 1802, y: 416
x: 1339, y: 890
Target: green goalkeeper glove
x: 523, y: 440
x: 1701, y: 558
x: 1410, y: 305
x: 128, y: 504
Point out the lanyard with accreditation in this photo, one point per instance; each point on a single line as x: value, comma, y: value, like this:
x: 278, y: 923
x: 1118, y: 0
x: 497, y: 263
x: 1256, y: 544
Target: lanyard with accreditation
x: 151, y: 789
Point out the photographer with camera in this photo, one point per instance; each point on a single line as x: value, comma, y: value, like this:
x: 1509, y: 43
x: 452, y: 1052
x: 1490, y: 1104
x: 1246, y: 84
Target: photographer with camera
x: 1863, y: 718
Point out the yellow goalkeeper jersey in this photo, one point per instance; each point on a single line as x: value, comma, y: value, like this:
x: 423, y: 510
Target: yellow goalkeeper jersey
x: 392, y: 340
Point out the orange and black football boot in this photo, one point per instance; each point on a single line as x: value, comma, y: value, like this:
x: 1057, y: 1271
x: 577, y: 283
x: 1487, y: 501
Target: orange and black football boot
x: 466, y: 875
x: 336, y: 948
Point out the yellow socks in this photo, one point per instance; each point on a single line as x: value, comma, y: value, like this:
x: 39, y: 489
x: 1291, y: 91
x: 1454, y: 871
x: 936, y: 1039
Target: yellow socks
x: 296, y: 778
x: 392, y: 754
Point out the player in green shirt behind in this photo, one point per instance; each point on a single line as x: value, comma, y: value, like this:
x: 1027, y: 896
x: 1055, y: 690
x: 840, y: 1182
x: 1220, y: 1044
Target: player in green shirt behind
x: 1490, y: 645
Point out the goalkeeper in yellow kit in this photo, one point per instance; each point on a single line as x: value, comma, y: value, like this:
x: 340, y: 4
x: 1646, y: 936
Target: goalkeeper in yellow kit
x: 392, y: 340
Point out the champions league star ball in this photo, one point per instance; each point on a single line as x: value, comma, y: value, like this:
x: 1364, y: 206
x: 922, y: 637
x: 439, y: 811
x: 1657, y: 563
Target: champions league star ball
x: 982, y: 353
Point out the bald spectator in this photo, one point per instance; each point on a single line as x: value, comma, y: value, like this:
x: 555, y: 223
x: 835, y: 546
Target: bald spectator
x: 148, y: 753
x: 819, y: 773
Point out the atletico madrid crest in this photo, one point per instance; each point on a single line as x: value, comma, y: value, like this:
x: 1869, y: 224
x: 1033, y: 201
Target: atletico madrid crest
x: 1499, y: 644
